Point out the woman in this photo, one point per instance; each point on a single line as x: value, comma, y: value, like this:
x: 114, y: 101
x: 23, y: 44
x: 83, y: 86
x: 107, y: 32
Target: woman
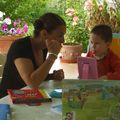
x: 26, y: 62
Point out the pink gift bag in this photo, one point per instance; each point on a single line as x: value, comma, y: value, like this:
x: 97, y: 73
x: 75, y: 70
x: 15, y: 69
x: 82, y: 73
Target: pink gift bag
x: 87, y: 68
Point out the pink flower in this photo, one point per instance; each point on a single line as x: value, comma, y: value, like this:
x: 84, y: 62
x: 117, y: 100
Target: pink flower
x: 5, y: 30
x: 16, y: 27
x: 88, y: 5
x: 18, y: 31
x: 24, y: 22
x: 100, y: 7
x: 15, y: 23
x: 75, y: 18
x: 5, y: 26
x: 19, y: 20
x: 25, y: 29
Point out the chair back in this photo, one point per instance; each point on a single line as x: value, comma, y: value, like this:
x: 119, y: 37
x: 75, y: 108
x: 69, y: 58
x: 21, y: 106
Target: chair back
x: 115, y: 45
x: 2, y: 62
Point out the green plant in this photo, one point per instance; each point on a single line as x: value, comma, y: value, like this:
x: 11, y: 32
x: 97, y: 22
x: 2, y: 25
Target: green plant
x: 24, y: 9
x: 30, y: 30
x: 103, y: 13
x: 74, y: 17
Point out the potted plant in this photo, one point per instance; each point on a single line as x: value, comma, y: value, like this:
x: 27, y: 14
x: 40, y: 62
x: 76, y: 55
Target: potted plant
x: 10, y: 31
x: 76, y: 36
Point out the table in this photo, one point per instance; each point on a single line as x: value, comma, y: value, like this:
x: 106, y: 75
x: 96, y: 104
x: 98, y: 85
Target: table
x: 43, y: 112
x: 70, y: 69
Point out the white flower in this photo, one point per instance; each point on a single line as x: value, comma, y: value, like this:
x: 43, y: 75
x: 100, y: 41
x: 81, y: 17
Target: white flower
x: 1, y: 22
x: 70, y: 12
x: 74, y: 23
x: 7, y: 21
x: 12, y: 31
x: 1, y: 14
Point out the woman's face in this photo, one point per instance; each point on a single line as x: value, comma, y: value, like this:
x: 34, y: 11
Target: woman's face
x: 57, y: 34
x: 98, y: 45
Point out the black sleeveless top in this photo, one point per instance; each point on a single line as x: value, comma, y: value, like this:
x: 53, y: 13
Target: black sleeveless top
x: 11, y: 79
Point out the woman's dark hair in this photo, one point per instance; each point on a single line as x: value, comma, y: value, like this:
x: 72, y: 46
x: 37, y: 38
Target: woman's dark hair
x: 104, y: 31
x: 49, y: 22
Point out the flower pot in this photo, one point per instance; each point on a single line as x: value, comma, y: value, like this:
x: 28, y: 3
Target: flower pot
x: 69, y: 53
x: 6, y: 41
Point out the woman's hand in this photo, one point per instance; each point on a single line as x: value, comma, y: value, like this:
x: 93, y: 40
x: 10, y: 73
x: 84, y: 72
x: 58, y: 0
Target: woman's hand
x: 58, y: 74
x: 53, y: 46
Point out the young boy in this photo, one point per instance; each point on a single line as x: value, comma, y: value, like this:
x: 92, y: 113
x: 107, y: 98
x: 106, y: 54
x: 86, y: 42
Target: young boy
x: 108, y: 63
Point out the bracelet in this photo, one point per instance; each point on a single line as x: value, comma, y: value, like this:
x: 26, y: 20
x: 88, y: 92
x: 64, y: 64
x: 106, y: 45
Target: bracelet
x: 55, y: 55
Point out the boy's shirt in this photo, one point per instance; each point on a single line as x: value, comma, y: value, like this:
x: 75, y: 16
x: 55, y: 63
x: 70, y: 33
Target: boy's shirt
x: 109, y: 65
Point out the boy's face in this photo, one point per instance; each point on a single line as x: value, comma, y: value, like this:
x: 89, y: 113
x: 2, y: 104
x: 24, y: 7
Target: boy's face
x: 98, y: 45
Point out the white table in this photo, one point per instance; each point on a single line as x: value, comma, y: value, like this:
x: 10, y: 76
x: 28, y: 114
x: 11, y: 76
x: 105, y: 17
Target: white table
x: 43, y: 112
x: 70, y: 69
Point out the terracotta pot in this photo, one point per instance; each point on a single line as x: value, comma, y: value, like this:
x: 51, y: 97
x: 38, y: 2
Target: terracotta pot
x: 69, y: 53
x: 6, y: 41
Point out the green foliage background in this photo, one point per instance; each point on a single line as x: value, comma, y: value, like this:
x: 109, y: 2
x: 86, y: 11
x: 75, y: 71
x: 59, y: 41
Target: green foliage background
x: 78, y: 33
x: 30, y: 10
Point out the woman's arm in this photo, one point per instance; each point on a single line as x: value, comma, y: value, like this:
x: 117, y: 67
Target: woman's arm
x: 32, y: 77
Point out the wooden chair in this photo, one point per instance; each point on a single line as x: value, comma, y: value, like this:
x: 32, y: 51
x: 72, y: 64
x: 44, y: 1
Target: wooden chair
x: 115, y: 46
x: 2, y: 61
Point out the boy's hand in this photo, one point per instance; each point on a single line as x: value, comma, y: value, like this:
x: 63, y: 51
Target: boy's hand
x: 58, y: 74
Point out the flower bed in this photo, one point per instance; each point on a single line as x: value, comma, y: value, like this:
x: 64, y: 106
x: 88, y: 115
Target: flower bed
x: 10, y: 27
x: 10, y: 30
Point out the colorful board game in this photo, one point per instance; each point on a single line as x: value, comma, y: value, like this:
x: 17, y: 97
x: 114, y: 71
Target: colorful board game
x: 91, y: 100
x: 29, y: 96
